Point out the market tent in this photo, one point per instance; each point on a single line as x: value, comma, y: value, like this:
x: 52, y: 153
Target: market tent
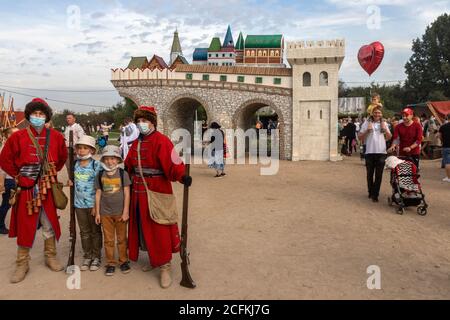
x: 439, y: 109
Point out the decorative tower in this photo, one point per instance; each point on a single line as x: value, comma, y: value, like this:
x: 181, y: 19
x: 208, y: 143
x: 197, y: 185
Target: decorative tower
x: 176, y: 48
x: 228, y: 41
x: 315, y: 76
x: 240, y: 49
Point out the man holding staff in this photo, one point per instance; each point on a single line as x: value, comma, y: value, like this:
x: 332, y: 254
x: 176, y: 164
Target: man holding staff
x: 34, y: 156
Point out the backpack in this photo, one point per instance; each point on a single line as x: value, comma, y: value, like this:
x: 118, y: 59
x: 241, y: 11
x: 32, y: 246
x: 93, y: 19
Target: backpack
x: 100, y: 174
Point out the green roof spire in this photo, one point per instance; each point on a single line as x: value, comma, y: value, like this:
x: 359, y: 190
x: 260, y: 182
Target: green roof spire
x: 215, y: 45
x: 240, y: 42
x: 176, y: 46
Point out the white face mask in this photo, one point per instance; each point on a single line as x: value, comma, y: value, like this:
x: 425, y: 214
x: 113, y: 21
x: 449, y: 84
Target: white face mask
x: 106, y: 168
x: 144, y: 128
x: 85, y: 157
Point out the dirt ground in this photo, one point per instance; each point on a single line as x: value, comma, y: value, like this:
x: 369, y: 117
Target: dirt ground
x: 308, y: 232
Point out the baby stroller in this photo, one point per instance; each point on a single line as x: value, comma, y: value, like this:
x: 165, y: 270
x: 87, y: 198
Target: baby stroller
x: 406, y: 189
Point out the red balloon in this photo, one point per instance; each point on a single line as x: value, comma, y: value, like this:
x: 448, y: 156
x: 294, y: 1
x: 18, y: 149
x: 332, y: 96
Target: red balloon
x: 370, y: 56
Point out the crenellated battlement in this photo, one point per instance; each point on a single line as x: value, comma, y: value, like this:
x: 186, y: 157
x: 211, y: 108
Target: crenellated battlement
x: 328, y: 51
x: 337, y: 43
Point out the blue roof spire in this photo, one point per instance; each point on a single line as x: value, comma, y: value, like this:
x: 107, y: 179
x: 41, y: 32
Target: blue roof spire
x: 228, y: 42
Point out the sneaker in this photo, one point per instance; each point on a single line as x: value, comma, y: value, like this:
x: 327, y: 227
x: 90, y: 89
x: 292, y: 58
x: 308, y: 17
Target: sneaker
x: 110, y: 270
x: 375, y: 199
x: 446, y: 179
x: 125, y: 267
x: 223, y: 174
x: 95, y: 265
x: 86, y: 264
x: 4, y: 230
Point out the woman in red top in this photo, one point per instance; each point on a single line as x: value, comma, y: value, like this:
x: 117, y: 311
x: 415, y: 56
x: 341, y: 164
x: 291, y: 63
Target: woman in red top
x: 160, y: 166
x: 407, y: 137
x: 20, y: 159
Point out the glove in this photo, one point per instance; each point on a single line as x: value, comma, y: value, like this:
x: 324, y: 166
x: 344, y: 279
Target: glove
x: 186, y: 180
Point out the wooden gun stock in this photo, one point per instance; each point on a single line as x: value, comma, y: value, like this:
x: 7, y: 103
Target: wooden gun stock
x: 186, y: 279
x: 72, y: 228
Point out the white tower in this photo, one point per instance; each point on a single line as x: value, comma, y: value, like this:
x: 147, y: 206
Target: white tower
x: 315, y: 80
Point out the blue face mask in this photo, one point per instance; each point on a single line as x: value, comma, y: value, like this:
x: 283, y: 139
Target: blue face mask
x: 144, y: 128
x: 37, y: 122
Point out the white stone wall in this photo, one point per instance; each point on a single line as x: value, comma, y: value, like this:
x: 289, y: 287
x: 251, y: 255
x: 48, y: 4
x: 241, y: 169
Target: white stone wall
x: 147, y: 74
x: 312, y: 136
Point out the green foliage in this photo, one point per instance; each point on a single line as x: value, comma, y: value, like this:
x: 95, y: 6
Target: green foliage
x: 392, y: 96
x: 117, y: 115
x: 428, y: 69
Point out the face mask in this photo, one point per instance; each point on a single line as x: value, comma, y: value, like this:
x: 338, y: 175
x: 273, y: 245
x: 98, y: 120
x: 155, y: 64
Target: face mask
x: 106, y: 168
x: 85, y: 157
x: 37, y: 122
x: 144, y: 128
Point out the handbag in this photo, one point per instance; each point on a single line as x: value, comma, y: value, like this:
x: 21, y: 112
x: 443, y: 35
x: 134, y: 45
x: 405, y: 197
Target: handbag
x: 59, y: 197
x: 162, y: 207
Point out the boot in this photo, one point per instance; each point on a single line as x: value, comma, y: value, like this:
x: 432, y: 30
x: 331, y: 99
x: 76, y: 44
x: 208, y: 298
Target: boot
x: 50, y: 255
x: 22, y: 267
x: 166, y: 279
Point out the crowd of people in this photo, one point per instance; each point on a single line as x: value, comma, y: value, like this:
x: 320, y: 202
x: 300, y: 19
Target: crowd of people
x: 111, y: 194
x: 377, y: 137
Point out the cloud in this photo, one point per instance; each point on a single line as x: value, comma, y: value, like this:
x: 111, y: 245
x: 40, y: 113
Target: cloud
x: 98, y: 15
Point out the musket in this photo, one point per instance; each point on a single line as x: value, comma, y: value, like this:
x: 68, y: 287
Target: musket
x: 186, y: 279
x: 72, y: 228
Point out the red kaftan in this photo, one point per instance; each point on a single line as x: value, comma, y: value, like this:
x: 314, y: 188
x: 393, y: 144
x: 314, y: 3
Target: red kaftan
x: 161, y: 240
x: 20, y: 151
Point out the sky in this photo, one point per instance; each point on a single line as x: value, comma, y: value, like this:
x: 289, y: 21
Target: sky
x: 73, y: 45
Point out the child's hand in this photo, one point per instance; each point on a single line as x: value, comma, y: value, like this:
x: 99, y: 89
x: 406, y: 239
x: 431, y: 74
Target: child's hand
x: 125, y: 217
x: 70, y: 183
x: 97, y: 219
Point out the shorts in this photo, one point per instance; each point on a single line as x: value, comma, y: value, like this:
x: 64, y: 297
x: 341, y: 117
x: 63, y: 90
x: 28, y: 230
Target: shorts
x: 446, y: 156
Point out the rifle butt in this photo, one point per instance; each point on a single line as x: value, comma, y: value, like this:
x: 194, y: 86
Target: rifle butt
x: 186, y: 279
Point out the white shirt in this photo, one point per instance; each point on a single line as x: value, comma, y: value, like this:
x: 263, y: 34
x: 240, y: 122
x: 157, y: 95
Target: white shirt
x: 78, y: 132
x: 129, y: 133
x: 375, y: 141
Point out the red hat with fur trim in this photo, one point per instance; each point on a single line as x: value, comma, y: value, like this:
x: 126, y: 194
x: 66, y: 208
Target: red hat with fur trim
x: 38, y: 104
x: 146, y: 112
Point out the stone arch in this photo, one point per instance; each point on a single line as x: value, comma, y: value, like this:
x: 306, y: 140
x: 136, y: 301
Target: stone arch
x: 174, y: 117
x: 249, y: 107
x: 124, y: 94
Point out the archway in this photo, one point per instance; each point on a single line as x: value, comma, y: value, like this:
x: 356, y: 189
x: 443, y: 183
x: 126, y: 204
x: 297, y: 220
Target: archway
x: 186, y: 112
x: 264, y: 112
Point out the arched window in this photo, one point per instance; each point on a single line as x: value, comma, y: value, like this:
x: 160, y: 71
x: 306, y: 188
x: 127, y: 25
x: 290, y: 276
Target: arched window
x: 259, y: 53
x: 323, y: 79
x: 307, y: 79
x: 277, y: 53
x: 253, y: 53
x: 271, y: 53
x: 248, y: 52
x: 264, y: 53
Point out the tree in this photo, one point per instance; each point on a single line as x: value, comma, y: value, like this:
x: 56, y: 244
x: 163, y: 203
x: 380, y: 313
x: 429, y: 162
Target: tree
x: 428, y: 69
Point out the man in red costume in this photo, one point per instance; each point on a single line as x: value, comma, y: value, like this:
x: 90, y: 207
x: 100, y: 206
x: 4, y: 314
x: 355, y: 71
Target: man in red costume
x: 408, y: 137
x: 34, y: 207
x: 158, y: 170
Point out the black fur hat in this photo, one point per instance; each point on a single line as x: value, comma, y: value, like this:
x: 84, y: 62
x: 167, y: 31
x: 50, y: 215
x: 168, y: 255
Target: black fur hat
x: 38, y: 104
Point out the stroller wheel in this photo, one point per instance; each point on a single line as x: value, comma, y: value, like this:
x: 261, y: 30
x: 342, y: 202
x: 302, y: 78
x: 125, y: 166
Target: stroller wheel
x: 422, y: 211
x: 389, y: 201
x: 401, y: 210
